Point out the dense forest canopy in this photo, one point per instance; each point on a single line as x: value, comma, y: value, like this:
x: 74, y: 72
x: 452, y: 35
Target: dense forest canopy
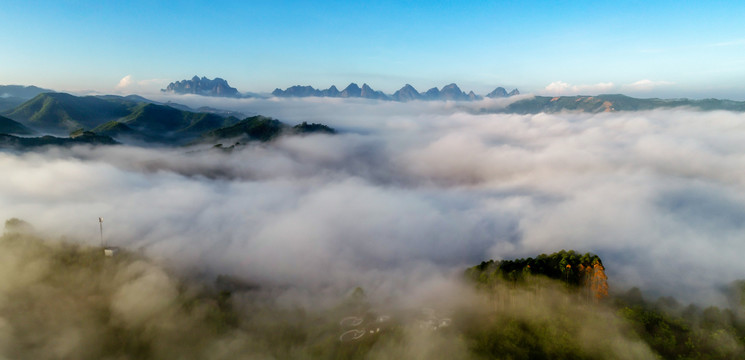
x: 575, y: 269
x: 671, y: 330
x: 129, y: 307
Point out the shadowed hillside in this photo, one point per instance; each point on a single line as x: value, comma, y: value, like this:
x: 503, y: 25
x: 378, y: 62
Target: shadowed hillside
x: 613, y: 103
x: 60, y: 113
x: 8, y: 126
x: 134, y: 119
x: 66, y: 300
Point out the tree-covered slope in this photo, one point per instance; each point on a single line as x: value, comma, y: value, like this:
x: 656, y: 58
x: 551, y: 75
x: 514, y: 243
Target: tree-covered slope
x: 132, y: 117
x: 60, y: 113
x: 167, y: 123
x: 8, y: 126
x: 10, y: 102
x: 129, y: 307
x: 69, y: 301
x: 254, y: 128
x: 312, y: 128
x: 669, y: 329
x: 263, y: 128
x: 14, y: 95
x: 568, y: 266
x: 29, y: 143
x: 613, y: 102
x: 115, y: 129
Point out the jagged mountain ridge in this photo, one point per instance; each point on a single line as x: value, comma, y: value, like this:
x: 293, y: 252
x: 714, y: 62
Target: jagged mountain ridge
x: 219, y: 87
x: 406, y: 93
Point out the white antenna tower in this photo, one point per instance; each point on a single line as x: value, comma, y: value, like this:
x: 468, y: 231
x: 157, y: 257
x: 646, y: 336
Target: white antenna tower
x: 108, y: 251
x: 100, y: 225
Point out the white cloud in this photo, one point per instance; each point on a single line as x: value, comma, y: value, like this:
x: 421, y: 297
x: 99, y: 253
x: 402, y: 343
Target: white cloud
x: 412, y: 189
x: 645, y: 85
x: 129, y: 85
x: 563, y: 88
x: 124, y: 83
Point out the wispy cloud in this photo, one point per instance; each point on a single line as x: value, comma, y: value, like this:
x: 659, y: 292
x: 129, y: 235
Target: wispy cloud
x: 645, y: 85
x: 124, y: 83
x: 410, y: 188
x: 563, y: 88
x: 129, y: 84
x: 736, y: 42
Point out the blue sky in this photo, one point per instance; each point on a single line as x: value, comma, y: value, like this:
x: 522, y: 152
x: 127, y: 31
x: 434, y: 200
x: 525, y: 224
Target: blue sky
x: 642, y: 48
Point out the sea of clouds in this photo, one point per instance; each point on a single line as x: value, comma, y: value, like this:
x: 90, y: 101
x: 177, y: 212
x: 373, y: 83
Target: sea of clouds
x: 408, y: 194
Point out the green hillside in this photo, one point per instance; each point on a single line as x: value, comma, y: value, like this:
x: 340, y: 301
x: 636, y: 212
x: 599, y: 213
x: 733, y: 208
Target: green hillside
x: 169, y: 124
x: 613, y: 103
x: 115, y: 116
x: 10, y: 102
x: 263, y: 128
x: 125, y: 99
x: 568, y: 266
x: 14, y: 95
x: 8, y: 126
x: 313, y: 128
x: 151, y: 118
x: 114, y: 129
x: 134, y: 118
x: 254, y: 128
x: 30, y: 143
x: 129, y: 307
x: 669, y: 329
x: 60, y: 113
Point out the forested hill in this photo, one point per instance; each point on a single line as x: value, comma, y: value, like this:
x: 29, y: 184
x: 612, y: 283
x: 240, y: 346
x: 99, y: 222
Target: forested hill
x: 670, y: 329
x: 568, y: 266
x: 263, y: 128
x: 128, y: 306
x: 610, y: 103
x: 8, y: 126
x: 136, y: 120
x: 19, y: 143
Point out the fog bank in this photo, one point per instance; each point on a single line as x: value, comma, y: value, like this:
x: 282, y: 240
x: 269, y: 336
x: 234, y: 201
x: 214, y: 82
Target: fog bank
x: 411, y: 192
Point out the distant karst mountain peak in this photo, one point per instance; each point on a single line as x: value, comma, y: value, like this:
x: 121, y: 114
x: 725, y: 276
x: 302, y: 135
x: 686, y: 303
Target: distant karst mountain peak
x: 406, y: 93
x: 203, y: 86
x: 220, y: 87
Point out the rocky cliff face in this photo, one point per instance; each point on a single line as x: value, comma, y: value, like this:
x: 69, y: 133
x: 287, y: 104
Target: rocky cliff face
x: 203, y: 86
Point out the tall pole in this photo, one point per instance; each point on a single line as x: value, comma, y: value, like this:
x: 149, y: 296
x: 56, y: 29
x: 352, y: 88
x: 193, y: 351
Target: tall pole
x: 100, y: 225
